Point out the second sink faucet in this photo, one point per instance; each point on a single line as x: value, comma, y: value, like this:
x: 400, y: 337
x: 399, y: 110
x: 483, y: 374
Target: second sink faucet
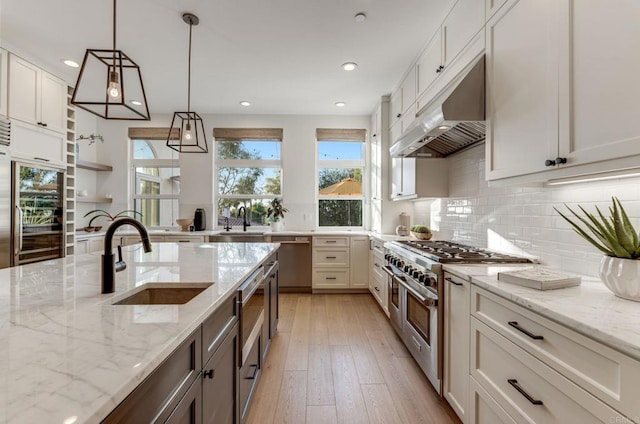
x: 245, y: 224
x: 109, y: 264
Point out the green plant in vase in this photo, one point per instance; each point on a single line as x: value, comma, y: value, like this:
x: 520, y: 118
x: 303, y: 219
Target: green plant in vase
x: 275, y: 212
x: 616, y: 237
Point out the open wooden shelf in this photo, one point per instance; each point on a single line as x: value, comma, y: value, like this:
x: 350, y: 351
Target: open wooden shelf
x: 85, y: 164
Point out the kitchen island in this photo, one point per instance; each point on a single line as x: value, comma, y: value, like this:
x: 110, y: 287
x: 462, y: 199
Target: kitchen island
x: 68, y: 355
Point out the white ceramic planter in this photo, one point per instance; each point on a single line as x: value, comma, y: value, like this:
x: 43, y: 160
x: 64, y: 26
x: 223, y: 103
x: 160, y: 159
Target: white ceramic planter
x: 621, y: 276
x: 277, y: 226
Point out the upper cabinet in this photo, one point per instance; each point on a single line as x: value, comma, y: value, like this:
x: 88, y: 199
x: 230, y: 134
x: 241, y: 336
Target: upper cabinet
x: 413, y: 178
x: 404, y: 98
x: 561, y: 88
x: 4, y: 68
x: 457, y: 32
x: 36, y: 97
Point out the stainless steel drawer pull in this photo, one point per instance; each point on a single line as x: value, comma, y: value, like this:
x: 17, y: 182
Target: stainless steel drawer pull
x: 516, y: 386
x: 515, y: 325
x: 452, y: 281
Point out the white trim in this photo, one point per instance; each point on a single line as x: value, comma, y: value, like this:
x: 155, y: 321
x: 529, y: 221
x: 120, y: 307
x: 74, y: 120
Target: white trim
x: 249, y: 163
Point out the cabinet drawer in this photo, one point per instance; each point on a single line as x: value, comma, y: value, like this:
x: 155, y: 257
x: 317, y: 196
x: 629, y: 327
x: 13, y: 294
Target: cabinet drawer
x: 37, y: 144
x: 330, y: 241
x: 606, y: 373
x: 377, y: 246
x: 376, y: 268
x: 161, y: 391
x: 330, y: 257
x: 527, y: 389
x: 249, y: 375
x: 328, y: 279
x: 485, y: 410
x: 216, y: 327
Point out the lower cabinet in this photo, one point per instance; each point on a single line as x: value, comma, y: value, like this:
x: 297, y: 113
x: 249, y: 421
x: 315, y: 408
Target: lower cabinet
x: 220, y: 383
x: 188, y: 410
x: 248, y: 378
x: 377, y: 277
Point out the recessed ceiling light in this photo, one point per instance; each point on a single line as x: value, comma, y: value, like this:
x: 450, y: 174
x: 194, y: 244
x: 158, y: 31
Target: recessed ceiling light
x: 245, y: 103
x: 360, y: 17
x: 443, y: 127
x: 136, y: 102
x: 341, y: 104
x: 349, y: 66
x: 70, y: 63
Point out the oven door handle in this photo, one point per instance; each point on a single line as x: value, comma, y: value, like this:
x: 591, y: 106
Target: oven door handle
x: 427, y: 301
x: 387, y: 269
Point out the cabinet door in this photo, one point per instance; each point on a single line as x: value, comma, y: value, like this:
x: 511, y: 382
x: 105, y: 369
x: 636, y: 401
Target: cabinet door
x: 24, y: 80
x: 601, y: 78
x: 492, y: 6
x: 82, y: 247
x: 53, y: 100
x: 189, y: 408
x: 408, y: 176
x: 462, y: 24
x: 396, y: 177
x: 219, y: 383
x: 4, y: 78
x: 484, y: 409
x: 408, y: 87
x: 274, y: 306
x: 37, y: 144
x: 430, y: 63
x: 522, y: 50
x: 96, y: 244
x: 456, y: 344
x: 376, y: 154
x: 395, y: 108
x: 359, y: 262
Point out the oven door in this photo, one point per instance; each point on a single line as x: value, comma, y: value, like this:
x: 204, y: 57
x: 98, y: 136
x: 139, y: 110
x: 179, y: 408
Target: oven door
x: 251, y: 312
x: 394, y: 299
x: 420, y: 324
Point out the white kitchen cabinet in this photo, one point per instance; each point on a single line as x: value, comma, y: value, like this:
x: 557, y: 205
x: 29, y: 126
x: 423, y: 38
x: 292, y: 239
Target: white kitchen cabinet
x: 377, y: 277
x: 96, y: 244
x: 483, y: 409
x: 37, y: 144
x: 81, y: 246
x: 492, y: 6
x: 376, y: 153
x: 359, y: 262
x: 457, y: 295
x: 553, y: 101
x: 36, y: 97
x: 459, y: 28
x: 522, y: 53
x: 419, y: 178
x: 395, y: 108
x: 402, y: 104
x: 4, y: 72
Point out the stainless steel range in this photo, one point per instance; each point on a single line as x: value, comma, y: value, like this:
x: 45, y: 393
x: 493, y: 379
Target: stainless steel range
x: 416, y: 289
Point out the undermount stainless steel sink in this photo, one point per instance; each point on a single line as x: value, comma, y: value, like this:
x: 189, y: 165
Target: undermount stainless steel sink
x: 163, y: 294
x: 237, y: 236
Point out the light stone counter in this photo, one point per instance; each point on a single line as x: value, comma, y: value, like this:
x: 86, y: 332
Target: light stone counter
x: 68, y: 356
x: 590, y: 309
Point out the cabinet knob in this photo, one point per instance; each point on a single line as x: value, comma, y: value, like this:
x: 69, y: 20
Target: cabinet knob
x: 549, y: 162
x: 398, y: 115
x: 208, y: 374
x: 560, y: 161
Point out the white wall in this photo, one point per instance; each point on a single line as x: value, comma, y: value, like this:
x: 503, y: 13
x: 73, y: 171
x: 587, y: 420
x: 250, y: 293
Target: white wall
x: 298, y: 156
x: 86, y: 124
x: 522, y: 219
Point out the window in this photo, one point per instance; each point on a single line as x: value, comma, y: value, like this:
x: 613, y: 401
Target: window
x: 155, y: 177
x: 248, y: 172
x: 341, y: 167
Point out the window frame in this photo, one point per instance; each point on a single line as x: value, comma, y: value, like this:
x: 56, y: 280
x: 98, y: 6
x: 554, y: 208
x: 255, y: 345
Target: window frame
x: 363, y: 164
x: 149, y: 163
x: 243, y: 135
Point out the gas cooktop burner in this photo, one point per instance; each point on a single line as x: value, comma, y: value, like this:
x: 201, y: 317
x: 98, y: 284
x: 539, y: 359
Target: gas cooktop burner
x: 448, y: 252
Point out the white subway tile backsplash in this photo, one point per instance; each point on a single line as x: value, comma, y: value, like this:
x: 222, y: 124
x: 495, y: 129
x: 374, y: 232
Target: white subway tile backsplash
x: 523, y: 219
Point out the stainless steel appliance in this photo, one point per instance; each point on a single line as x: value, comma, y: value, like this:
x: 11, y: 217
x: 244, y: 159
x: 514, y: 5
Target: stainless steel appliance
x: 38, y: 213
x: 416, y: 293
x: 251, y: 313
x: 294, y: 256
x: 5, y: 209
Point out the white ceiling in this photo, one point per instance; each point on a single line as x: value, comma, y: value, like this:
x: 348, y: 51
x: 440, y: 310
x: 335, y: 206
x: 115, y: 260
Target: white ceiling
x: 282, y: 55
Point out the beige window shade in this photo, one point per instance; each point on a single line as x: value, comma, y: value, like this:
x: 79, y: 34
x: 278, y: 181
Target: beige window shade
x: 340, y: 134
x: 153, y: 133
x: 240, y: 134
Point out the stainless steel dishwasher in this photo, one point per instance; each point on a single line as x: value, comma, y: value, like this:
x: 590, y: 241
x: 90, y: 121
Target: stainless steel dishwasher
x: 294, y: 257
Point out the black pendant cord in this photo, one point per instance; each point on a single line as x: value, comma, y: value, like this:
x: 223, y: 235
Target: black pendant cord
x: 114, y: 35
x: 189, y: 70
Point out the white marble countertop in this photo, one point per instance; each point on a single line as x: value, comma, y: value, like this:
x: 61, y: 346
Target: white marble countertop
x: 590, y: 308
x: 266, y: 231
x: 67, y: 353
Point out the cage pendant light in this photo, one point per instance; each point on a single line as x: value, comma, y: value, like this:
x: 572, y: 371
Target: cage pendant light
x: 191, y: 137
x: 110, y: 84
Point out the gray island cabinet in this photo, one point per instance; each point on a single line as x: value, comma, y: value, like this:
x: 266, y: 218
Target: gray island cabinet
x: 93, y: 361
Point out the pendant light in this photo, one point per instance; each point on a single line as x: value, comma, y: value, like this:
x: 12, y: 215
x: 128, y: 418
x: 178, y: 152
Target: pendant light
x: 121, y: 95
x: 188, y: 125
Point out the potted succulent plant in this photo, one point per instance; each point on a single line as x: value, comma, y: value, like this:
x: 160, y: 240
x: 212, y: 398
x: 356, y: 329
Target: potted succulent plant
x: 616, y: 237
x: 421, y: 232
x: 101, y: 213
x: 275, y: 212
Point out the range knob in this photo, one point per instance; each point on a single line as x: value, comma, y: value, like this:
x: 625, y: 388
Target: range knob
x: 428, y: 281
x: 387, y: 256
x: 416, y: 273
x: 408, y: 269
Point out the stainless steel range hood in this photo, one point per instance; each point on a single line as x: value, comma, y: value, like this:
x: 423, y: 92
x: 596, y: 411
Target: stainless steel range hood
x: 452, y: 121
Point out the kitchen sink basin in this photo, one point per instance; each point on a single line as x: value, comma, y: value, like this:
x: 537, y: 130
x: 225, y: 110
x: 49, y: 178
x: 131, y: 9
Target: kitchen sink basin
x: 163, y: 294
x: 238, y: 236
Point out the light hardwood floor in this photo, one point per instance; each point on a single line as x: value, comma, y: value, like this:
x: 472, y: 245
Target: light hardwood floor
x: 336, y: 359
